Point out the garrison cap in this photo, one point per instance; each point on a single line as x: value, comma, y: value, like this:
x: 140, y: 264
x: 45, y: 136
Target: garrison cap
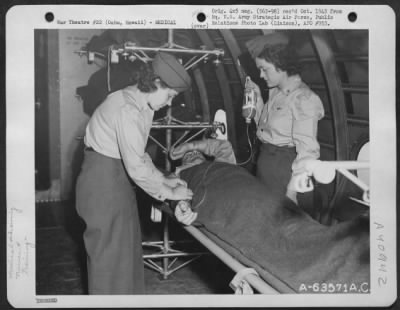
x: 259, y: 43
x: 171, y: 72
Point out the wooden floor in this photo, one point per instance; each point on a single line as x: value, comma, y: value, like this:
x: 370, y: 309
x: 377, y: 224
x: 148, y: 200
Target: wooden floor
x: 60, y: 259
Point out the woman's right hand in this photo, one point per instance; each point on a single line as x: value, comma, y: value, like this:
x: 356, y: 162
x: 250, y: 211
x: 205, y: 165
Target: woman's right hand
x: 184, y: 213
x: 250, y: 85
x: 181, y: 193
x: 250, y: 100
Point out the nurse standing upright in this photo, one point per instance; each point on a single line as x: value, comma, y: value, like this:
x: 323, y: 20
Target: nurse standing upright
x: 287, y: 123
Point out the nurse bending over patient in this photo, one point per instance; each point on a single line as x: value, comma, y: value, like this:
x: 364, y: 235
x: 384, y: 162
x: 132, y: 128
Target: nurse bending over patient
x: 115, y: 140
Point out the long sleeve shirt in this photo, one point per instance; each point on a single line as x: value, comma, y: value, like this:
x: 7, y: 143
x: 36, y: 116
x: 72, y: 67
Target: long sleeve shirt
x: 290, y: 118
x: 119, y: 128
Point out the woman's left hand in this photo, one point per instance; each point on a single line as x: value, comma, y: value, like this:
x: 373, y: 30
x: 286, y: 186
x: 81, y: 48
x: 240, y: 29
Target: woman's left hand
x: 301, y: 183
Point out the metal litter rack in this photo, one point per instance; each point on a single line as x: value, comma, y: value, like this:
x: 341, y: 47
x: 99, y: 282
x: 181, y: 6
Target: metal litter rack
x: 165, y: 250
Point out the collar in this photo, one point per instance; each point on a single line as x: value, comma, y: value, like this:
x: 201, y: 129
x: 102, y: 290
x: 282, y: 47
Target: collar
x: 136, y: 98
x: 293, y: 82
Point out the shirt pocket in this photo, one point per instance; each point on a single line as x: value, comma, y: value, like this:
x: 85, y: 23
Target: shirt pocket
x: 280, y: 108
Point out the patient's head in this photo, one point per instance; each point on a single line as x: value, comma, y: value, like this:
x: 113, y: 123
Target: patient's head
x: 193, y: 157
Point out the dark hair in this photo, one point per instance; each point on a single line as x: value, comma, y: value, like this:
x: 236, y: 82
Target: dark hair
x: 283, y: 57
x: 145, y: 78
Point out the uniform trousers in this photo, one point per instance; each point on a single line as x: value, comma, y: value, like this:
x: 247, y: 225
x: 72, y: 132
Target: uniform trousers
x: 274, y: 166
x: 106, y: 201
x: 274, y: 170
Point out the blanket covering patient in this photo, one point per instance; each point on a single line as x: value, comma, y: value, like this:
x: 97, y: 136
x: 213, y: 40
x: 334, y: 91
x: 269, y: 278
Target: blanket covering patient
x: 269, y: 232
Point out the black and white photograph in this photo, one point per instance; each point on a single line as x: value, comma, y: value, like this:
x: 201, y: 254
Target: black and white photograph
x: 231, y: 156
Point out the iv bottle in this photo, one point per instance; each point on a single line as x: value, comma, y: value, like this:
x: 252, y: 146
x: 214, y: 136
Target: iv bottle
x: 249, y: 107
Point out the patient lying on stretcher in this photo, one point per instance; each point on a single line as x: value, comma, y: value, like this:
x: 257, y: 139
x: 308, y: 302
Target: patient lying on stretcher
x: 268, y: 232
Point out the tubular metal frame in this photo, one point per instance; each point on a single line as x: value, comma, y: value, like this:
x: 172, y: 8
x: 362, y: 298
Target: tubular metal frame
x: 344, y: 167
x: 129, y: 49
x: 164, y: 249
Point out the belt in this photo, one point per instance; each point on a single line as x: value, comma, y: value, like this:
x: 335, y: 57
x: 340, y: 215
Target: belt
x: 285, y: 148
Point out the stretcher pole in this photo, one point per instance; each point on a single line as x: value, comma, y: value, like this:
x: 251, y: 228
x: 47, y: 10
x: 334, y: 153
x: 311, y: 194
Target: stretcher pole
x: 324, y: 171
x: 255, y: 281
x: 168, y: 139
